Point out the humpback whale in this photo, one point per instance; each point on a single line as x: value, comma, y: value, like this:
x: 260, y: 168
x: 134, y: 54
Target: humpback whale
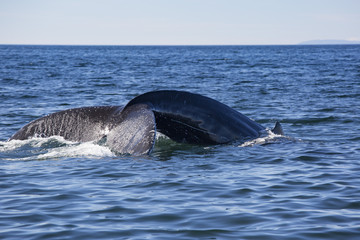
x: 182, y: 116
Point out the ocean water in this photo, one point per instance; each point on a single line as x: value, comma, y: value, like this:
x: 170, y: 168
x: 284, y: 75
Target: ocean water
x: 305, y: 185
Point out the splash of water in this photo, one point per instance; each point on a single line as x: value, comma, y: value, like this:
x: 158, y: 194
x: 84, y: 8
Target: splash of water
x: 51, y: 148
x: 267, y: 138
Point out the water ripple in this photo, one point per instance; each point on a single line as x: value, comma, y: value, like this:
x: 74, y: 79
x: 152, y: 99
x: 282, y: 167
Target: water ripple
x: 301, y: 186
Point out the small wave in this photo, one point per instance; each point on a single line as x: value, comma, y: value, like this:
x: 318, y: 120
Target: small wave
x: 83, y: 64
x: 50, y: 148
x: 53, y: 141
x: 312, y: 120
x: 56, y: 147
x: 87, y: 149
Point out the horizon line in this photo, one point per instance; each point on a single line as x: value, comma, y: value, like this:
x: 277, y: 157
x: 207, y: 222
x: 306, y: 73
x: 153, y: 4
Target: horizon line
x: 171, y: 45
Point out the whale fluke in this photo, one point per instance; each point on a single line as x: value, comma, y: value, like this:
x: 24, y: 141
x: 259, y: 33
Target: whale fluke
x: 125, y: 132
x: 196, y: 119
x: 77, y: 124
x: 136, y: 132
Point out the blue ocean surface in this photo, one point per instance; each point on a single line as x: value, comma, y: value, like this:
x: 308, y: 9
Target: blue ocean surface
x: 305, y: 185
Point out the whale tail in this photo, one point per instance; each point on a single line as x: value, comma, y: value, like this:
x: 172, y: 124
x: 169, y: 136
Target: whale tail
x: 196, y: 119
x: 135, y: 133
x: 278, y: 130
x: 131, y: 131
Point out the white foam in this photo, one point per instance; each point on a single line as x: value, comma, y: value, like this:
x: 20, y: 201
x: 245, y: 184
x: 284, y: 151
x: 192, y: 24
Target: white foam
x: 9, y: 146
x: 159, y: 135
x: 268, y: 138
x: 52, y: 147
x: 87, y: 149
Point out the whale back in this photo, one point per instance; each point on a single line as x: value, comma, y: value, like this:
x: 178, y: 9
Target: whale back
x: 196, y: 119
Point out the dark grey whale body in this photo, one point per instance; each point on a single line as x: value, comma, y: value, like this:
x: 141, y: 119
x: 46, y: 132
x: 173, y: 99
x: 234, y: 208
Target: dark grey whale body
x: 182, y: 116
x: 196, y: 119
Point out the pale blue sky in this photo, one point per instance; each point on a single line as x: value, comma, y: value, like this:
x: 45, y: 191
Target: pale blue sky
x: 159, y: 22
